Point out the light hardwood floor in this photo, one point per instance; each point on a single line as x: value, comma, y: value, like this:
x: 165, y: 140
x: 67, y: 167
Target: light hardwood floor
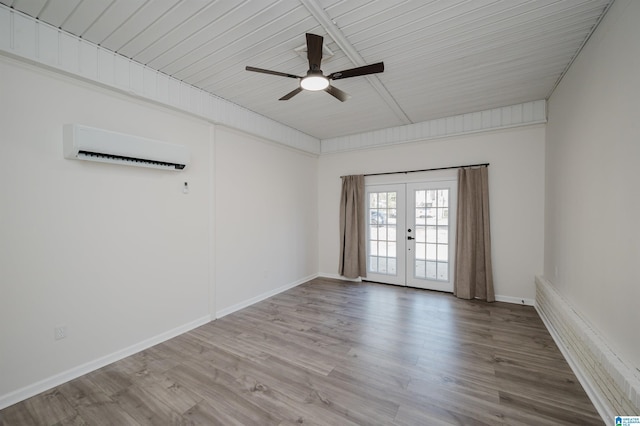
x: 330, y: 352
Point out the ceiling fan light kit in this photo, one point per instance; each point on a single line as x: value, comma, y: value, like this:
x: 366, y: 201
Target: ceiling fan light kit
x: 315, y: 80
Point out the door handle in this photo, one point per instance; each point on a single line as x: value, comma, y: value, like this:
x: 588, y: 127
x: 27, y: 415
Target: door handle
x: 410, y: 238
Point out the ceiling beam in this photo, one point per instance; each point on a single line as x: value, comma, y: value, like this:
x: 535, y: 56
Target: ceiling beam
x: 339, y: 38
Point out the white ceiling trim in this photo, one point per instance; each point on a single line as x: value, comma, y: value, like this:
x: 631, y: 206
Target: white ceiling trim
x: 339, y: 38
x: 27, y: 38
x: 524, y: 114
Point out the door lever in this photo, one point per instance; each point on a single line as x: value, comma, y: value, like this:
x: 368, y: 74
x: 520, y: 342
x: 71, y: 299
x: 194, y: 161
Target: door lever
x: 410, y: 238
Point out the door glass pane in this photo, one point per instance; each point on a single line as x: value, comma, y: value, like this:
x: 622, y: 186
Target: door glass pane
x: 373, y: 263
x: 443, y: 252
x: 443, y: 234
x: 373, y: 236
x: 431, y: 270
x: 431, y: 251
x: 443, y: 271
x: 391, y: 266
x: 382, y: 232
x: 432, y: 234
x: 382, y: 265
x: 443, y: 198
x: 373, y: 200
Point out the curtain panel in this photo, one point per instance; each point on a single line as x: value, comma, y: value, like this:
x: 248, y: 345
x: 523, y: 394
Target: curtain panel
x: 473, y: 270
x: 352, y: 228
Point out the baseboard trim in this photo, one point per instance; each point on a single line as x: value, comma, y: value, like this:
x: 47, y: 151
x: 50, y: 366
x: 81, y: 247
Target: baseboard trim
x: 613, y: 387
x: 339, y: 277
x: 515, y: 300
x: 75, y: 372
x: 259, y: 298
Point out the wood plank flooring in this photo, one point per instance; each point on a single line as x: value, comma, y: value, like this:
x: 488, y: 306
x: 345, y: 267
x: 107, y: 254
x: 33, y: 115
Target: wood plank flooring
x: 330, y: 352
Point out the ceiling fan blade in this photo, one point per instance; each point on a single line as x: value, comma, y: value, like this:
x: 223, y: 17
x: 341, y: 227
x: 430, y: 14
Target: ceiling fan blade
x: 354, y: 72
x: 281, y: 74
x: 337, y: 93
x: 314, y: 51
x: 291, y: 94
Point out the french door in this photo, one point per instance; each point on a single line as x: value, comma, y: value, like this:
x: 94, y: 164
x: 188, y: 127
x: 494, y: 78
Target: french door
x: 411, y: 234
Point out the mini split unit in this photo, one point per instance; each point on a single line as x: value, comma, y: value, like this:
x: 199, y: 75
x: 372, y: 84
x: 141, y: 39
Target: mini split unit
x: 88, y: 143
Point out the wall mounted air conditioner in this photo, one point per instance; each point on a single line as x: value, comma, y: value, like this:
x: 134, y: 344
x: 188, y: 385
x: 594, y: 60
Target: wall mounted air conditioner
x: 88, y: 143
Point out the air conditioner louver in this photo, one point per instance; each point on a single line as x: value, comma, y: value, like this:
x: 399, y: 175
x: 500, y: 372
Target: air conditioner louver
x: 91, y: 144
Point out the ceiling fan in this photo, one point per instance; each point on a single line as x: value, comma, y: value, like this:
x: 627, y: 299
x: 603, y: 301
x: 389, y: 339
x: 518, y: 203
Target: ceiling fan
x: 315, y: 80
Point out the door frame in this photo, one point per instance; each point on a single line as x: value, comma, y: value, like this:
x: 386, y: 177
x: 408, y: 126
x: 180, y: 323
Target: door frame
x: 431, y: 177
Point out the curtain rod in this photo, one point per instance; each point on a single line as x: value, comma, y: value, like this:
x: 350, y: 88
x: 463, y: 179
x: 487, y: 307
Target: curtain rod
x: 425, y: 170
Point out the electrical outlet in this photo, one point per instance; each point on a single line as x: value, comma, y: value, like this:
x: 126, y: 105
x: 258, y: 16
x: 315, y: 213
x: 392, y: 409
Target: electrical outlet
x: 60, y: 332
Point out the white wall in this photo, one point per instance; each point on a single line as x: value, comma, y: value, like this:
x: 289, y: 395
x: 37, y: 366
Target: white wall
x: 116, y: 254
x: 266, y: 216
x: 119, y: 255
x: 516, y: 187
x: 592, y: 235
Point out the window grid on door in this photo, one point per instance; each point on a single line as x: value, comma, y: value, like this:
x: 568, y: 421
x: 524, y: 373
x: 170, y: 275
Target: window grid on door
x: 432, y: 234
x: 382, y: 233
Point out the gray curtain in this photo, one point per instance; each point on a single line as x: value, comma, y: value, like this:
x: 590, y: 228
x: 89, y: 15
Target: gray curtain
x: 352, y: 231
x: 473, y: 275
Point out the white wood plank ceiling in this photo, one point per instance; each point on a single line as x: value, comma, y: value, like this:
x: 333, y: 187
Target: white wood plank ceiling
x: 442, y: 58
